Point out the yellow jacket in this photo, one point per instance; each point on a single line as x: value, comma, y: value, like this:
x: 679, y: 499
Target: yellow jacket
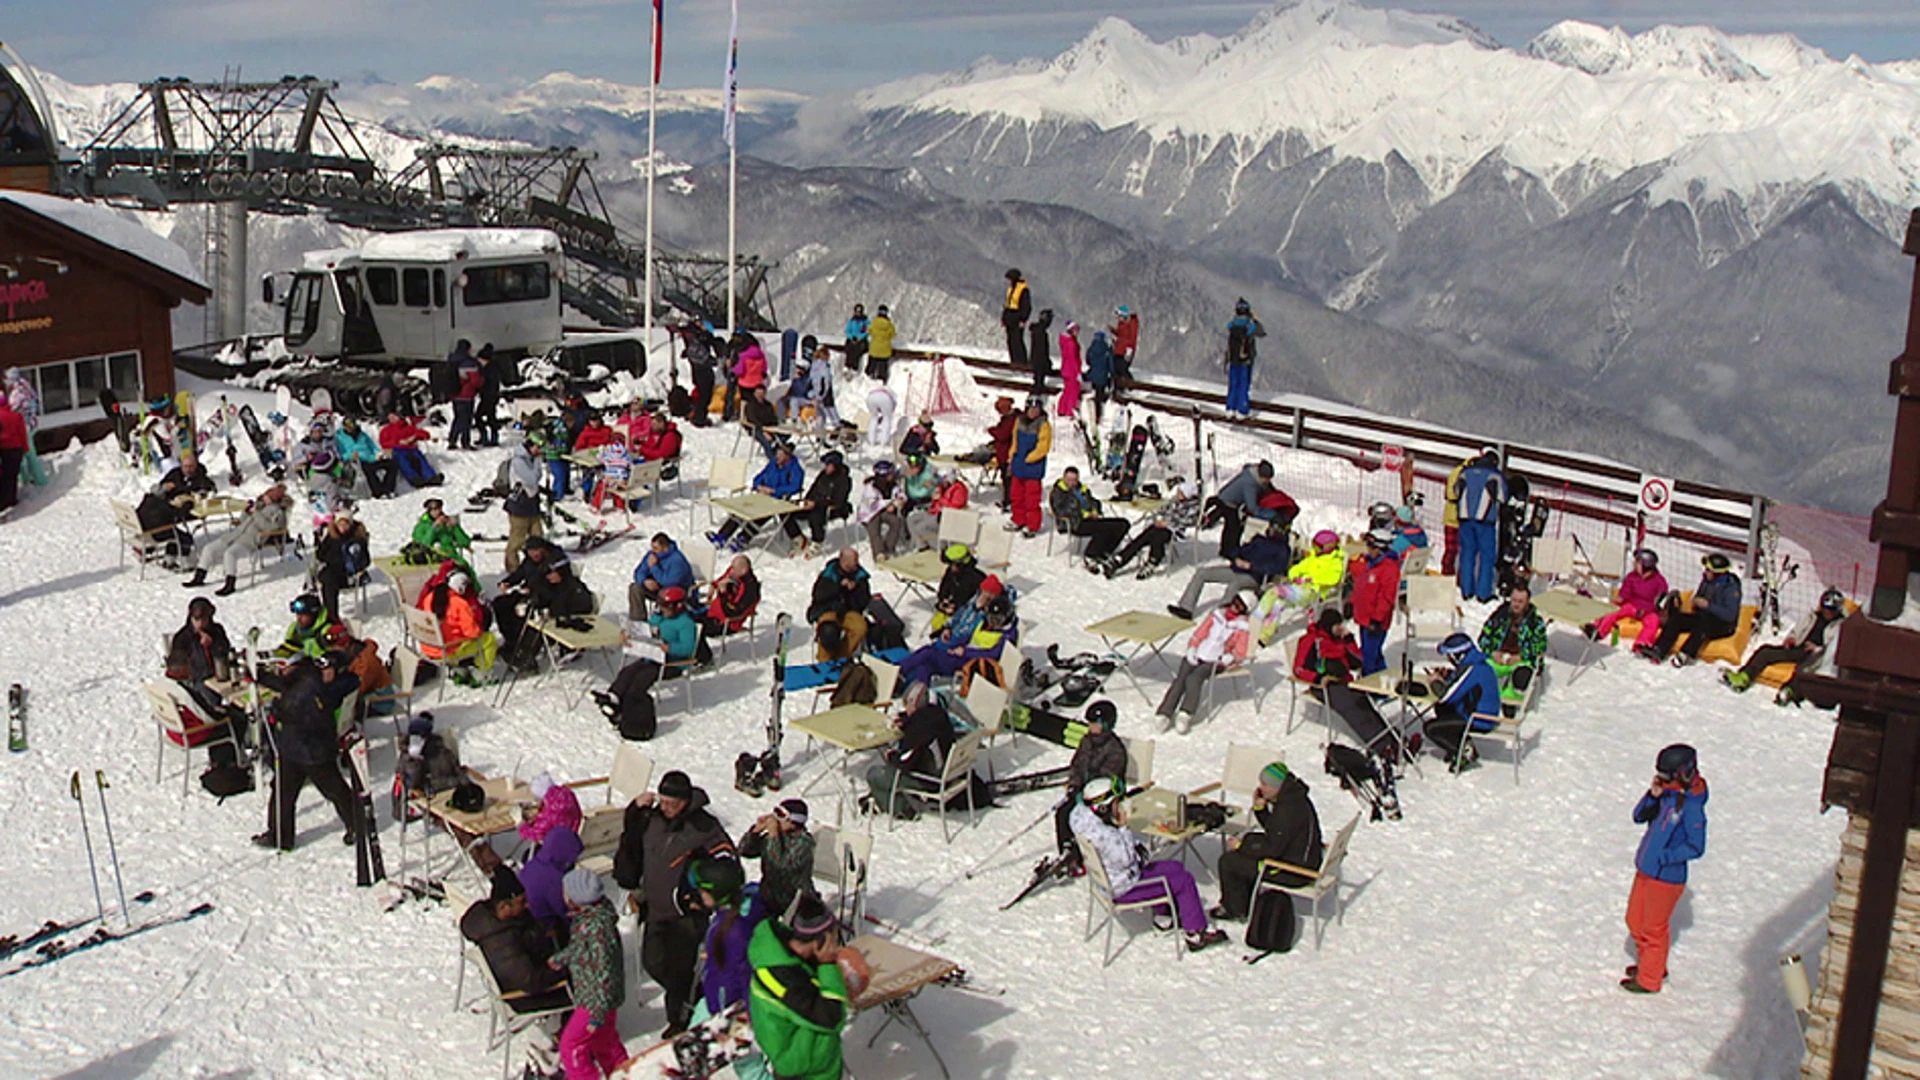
x: 1322, y: 571
x: 1451, y: 516
x: 880, y: 338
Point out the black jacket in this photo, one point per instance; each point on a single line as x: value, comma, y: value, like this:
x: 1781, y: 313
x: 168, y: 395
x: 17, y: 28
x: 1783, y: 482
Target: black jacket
x: 305, y: 714
x: 655, y: 851
x: 958, y: 586
x: 1105, y: 755
x: 516, y: 951
x: 924, y: 741
x: 341, y: 555
x: 569, y: 597
x: 832, y: 490
x: 1289, y: 828
x: 834, y: 596
x: 189, y: 662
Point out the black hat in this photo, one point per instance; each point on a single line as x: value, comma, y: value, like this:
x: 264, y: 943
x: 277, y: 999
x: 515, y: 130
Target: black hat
x: 1677, y: 762
x: 506, y: 885
x: 1013, y: 275
x: 675, y: 785
x: 1103, y: 712
x: 200, y: 608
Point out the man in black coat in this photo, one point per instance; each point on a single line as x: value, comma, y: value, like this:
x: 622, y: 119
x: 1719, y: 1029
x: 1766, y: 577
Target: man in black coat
x: 838, y: 607
x: 1100, y: 753
x: 305, y: 737
x: 828, y: 497
x: 543, y: 583
x: 1289, y: 831
x: 514, y: 946
x: 664, y: 831
x: 486, y: 411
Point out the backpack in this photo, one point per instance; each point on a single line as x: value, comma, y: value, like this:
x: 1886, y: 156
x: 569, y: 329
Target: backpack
x: 355, y: 555
x: 884, y: 628
x: 857, y: 686
x: 1239, y: 344
x: 225, y: 781
x: 1270, y: 925
x: 638, y: 717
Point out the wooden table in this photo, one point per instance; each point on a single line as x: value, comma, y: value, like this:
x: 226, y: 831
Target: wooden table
x: 919, y: 573
x: 899, y: 974
x: 854, y: 729
x: 1146, y: 632
x: 1569, y: 608
x: 208, y: 507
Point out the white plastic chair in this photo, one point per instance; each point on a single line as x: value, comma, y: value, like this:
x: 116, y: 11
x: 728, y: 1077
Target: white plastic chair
x: 955, y: 778
x: 423, y: 629
x: 1139, y: 762
x: 844, y: 860
x: 171, y: 709
x: 1100, y: 896
x: 728, y: 476
x: 986, y: 703
x: 147, y: 545
x: 1239, y: 777
x: 406, y: 671
x: 994, y: 552
x: 1432, y: 609
x: 1326, y: 880
x: 959, y: 526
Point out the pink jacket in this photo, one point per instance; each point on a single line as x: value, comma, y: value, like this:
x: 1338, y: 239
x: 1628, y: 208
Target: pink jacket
x: 560, y: 809
x: 1639, y: 594
x: 751, y: 369
x: 1237, y: 640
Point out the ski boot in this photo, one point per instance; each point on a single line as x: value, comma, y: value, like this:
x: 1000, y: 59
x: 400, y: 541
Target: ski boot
x: 1148, y: 569
x: 746, y: 775
x: 767, y: 774
x: 1739, y: 681
x: 1788, y: 696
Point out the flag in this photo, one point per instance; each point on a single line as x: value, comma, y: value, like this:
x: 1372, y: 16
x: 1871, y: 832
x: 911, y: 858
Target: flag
x: 732, y: 89
x: 659, y: 32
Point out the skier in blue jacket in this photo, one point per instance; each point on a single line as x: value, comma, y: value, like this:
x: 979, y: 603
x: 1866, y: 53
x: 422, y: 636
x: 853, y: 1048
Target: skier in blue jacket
x: 783, y: 478
x: 1674, y: 810
x: 1470, y: 688
x: 1483, y: 490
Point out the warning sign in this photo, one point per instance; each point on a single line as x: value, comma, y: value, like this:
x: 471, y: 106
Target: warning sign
x: 1656, y: 503
x: 1392, y: 457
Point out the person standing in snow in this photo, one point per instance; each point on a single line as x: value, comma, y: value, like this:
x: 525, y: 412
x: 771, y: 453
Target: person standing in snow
x: 1483, y: 489
x: 305, y: 738
x: 1674, y: 810
x: 1032, y: 440
x: 856, y: 334
x: 1069, y: 370
x: 25, y: 400
x: 880, y: 344
x: 594, y: 960
x: 1039, y: 353
x: 467, y: 382
x: 696, y: 347
x: 1126, y: 341
x: 1013, y: 318
x: 1098, y: 375
x: 663, y: 830
x: 880, y: 408
x: 1242, y: 336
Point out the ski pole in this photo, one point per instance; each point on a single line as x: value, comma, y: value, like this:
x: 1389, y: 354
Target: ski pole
x: 113, y: 852
x: 87, y: 835
x: 1011, y: 840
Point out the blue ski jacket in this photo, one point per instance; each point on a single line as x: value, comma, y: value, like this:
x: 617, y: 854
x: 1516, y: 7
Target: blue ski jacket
x: 786, y: 482
x: 669, y: 570
x: 1676, y: 831
x: 1482, y: 491
x: 1719, y: 597
x: 1474, y: 688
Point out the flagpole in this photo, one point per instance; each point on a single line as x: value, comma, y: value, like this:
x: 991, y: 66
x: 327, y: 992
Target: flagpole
x: 733, y: 166
x: 653, y: 88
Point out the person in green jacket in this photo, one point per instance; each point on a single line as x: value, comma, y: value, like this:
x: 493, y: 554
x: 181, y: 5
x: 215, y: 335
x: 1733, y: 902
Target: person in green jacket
x: 1515, y: 641
x: 441, y: 533
x: 799, y: 1001
x: 596, y: 974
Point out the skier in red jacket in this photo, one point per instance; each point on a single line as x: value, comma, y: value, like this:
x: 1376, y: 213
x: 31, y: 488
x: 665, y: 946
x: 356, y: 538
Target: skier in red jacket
x: 1376, y: 590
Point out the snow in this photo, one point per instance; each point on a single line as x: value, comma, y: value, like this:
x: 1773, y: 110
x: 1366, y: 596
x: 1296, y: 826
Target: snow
x: 1742, y: 113
x: 446, y: 245
x: 113, y: 228
x: 1482, y: 936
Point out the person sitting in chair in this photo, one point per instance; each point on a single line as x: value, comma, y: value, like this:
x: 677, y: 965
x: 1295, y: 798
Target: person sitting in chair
x: 1255, y: 562
x: 663, y: 567
x: 1327, y: 659
x: 1100, y: 755
x: 827, y: 498
x: 264, y: 520
x: 838, y: 608
x: 514, y: 946
x: 914, y: 763
x: 1466, y: 690
x: 1172, y: 521
x: 1636, y: 597
x: 678, y: 635
x: 1101, y: 818
x: 1313, y: 578
x: 782, y: 478
x: 544, y: 584
x: 1078, y: 512
x: 1221, y: 641
x: 734, y: 597
x: 1289, y: 832
x: 463, y: 620
x: 1514, y: 639
x: 200, y: 651
x: 402, y: 437
x: 958, y: 585
x: 1803, y: 647
x: 170, y: 503
x: 442, y: 535
x: 1715, y: 614
x: 973, y: 632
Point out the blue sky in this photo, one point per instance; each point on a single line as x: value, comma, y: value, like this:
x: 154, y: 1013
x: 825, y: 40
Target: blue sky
x: 812, y: 46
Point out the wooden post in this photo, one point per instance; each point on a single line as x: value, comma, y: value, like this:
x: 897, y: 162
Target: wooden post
x: 1879, y: 894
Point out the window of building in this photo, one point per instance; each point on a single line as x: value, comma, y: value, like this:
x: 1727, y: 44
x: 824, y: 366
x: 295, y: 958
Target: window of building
x: 381, y: 288
x: 70, y: 389
x: 507, y: 284
x: 413, y: 287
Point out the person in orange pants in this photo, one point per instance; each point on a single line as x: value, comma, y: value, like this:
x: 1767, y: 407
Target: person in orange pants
x: 1674, y: 810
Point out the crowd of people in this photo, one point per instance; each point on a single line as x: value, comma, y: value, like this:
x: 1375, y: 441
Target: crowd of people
x: 716, y: 937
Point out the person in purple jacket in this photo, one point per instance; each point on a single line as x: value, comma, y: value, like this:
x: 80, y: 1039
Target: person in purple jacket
x: 736, y: 910
x: 1637, y: 597
x: 1674, y: 810
x: 546, y: 899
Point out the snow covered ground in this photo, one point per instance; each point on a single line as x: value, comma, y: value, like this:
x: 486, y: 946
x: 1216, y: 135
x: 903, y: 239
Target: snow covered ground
x: 1483, y: 936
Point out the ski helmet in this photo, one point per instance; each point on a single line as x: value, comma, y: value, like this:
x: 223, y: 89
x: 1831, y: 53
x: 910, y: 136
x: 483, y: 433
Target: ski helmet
x: 1238, y: 602
x: 1103, y: 712
x: 721, y: 877
x: 1380, y: 513
x: 1677, y: 762
x: 1123, y: 311
x: 1100, y: 792
x: 1647, y: 557
x: 306, y: 604
x: 1717, y: 563
x: 1380, y: 536
x: 673, y: 594
x: 1833, y: 600
x: 1035, y: 401
x: 1241, y: 307
x: 957, y: 553
x: 1456, y: 646
x: 883, y: 469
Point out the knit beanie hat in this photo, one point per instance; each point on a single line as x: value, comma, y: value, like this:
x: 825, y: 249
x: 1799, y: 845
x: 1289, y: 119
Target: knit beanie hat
x: 1275, y: 774
x: 676, y: 785
x: 582, y: 886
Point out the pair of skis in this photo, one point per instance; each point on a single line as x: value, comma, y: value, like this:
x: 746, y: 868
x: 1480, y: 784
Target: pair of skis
x: 756, y: 776
x: 17, y: 718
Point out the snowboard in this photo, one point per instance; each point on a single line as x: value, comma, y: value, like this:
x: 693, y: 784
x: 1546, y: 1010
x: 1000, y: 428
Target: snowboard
x: 1129, y: 479
x: 185, y: 431
x: 17, y: 718
x: 262, y: 442
x: 234, y: 476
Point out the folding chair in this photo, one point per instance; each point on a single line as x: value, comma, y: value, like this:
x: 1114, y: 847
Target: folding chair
x: 1100, y: 896
x: 955, y: 777
x: 406, y: 582
x: 503, y: 1023
x: 1241, y: 672
x: 1326, y: 880
x: 705, y: 563
x: 1298, y: 688
x: 959, y: 526
x: 643, y: 483
x: 257, y: 558
x: 632, y: 771
x: 399, y: 694
x: 994, y: 552
x: 1507, y: 729
x: 986, y: 704
x: 843, y: 860
x: 1432, y: 610
x: 1553, y: 559
x: 1603, y: 565
x: 1139, y: 762
x: 423, y: 629
x: 1414, y: 562
x: 687, y: 668
x: 728, y: 476
x: 147, y: 545
x: 177, y: 720
x: 1076, y: 544
x: 1239, y: 777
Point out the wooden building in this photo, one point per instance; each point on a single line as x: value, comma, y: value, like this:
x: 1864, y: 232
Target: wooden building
x: 86, y: 303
